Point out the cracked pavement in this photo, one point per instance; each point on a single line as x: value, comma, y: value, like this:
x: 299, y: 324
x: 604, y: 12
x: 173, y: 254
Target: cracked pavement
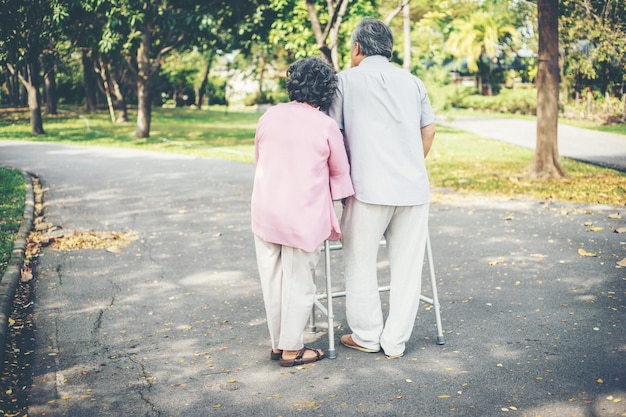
x: 174, y: 324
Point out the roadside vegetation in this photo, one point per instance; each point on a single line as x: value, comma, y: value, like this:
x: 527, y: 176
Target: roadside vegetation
x: 12, y: 189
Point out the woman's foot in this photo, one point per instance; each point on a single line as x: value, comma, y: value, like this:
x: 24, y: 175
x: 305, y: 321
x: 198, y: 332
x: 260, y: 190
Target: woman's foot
x: 301, y: 357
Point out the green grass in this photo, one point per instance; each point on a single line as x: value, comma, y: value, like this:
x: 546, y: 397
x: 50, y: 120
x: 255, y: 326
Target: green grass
x: 12, y: 189
x: 202, y: 133
x: 466, y: 162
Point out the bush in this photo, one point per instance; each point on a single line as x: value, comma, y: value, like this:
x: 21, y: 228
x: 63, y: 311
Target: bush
x: 518, y: 101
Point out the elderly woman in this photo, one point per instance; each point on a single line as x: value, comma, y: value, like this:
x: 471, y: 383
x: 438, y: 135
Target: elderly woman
x: 301, y: 167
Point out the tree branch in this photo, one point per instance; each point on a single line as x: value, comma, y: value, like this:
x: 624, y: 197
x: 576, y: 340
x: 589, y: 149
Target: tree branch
x: 396, y: 11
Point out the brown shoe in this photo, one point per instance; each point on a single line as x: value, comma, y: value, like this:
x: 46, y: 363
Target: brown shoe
x: 347, y: 341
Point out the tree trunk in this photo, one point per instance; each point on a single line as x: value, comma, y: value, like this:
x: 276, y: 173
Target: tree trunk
x: 34, y: 105
x: 34, y: 98
x: 144, y: 76
x: 89, y: 80
x: 13, y: 87
x: 106, y: 76
x: 407, y: 37
x: 50, y: 85
x: 205, y: 81
x: 336, y: 10
x: 545, y: 163
x: 120, y: 101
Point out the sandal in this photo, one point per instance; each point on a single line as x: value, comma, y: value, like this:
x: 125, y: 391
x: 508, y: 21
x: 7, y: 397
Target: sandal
x: 275, y: 356
x: 299, y: 360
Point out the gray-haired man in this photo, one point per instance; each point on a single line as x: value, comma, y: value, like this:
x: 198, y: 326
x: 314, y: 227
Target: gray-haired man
x: 388, y: 126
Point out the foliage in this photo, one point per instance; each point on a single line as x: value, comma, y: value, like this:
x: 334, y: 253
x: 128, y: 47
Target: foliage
x: 292, y: 27
x: 216, y: 90
x: 593, y: 38
x: 12, y: 189
x: 517, y: 101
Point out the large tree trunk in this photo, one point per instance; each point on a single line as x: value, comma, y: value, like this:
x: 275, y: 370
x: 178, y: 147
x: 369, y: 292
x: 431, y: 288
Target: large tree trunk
x: 144, y: 75
x: 545, y: 163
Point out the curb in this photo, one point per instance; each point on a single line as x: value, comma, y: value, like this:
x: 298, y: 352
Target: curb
x: 12, y: 275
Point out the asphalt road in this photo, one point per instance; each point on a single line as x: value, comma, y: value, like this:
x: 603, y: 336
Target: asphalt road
x: 599, y: 148
x: 174, y: 324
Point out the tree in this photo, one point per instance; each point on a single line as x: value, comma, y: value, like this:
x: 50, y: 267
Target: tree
x: 478, y: 39
x: 545, y: 163
x: 593, y: 42
x: 405, y: 8
x: 147, y: 31
x: 28, y: 28
x: 309, y: 27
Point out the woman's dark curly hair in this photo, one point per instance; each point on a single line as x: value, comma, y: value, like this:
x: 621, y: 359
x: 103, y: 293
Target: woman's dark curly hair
x: 311, y: 80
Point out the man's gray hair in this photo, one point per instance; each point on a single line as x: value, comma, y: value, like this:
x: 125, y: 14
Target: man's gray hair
x: 374, y: 37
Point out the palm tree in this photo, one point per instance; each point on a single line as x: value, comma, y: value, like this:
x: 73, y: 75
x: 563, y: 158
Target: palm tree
x: 477, y: 38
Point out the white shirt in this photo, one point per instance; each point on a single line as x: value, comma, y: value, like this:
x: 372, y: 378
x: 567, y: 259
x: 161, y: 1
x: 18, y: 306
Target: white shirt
x: 381, y: 109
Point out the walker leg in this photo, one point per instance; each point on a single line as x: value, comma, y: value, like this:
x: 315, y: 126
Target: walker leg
x: 433, y: 283
x: 312, y: 326
x: 332, y: 354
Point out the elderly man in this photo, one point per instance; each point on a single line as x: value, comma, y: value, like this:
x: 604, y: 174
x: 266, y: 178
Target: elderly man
x: 388, y: 125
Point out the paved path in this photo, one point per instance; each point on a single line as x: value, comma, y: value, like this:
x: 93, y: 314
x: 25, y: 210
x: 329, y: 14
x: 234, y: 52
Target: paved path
x: 173, y: 325
x: 604, y: 149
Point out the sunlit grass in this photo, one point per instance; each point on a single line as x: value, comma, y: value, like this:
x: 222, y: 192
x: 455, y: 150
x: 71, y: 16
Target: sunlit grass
x: 202, y: 133
x: 12, y: 189
x: 458, y: 161
x: 464, y: 161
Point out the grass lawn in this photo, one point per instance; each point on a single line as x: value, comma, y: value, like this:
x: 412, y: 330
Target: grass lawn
x: 459, y: 160
x: 12, y: 189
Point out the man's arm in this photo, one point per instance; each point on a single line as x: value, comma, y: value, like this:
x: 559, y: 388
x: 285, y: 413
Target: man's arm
x: 428, y: 134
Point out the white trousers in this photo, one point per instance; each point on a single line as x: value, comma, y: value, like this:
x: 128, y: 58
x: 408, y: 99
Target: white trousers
x: 405, y: 229
x: 288, y: 287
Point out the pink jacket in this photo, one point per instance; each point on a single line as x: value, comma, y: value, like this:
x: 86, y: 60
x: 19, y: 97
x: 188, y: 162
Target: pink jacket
x: 301, y: 167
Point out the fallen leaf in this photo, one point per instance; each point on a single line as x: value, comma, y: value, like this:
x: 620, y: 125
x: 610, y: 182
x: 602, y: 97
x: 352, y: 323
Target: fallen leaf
x: 595, y: 229
x: 622, y: 263
x: 620, y: 230
x: 497, y: 261
x: 583, y: 252
x: 443, y: 396
x: 615, y: 216
x: 27, y: 274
